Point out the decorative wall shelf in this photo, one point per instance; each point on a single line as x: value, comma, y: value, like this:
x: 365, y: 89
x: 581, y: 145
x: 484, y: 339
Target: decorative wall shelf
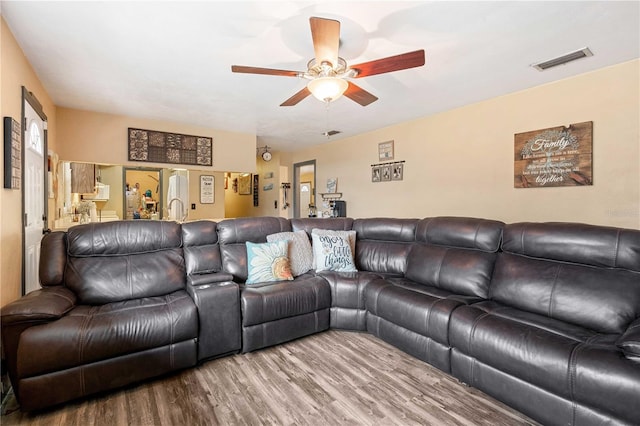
x: 331, y: 195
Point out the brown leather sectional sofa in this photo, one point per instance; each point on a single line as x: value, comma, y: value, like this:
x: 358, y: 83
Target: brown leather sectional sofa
x: 543, y: 316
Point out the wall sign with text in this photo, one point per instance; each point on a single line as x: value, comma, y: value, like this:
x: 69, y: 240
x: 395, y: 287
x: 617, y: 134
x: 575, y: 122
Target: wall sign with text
x: 557, y: 156
x: 207, y: 189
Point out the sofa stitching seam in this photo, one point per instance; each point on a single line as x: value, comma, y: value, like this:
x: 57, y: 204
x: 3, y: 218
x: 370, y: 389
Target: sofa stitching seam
x: 437, y: 283
x: 572, y: 373
x: 83, y: 334
x: 172, y: 331
x: 475, y: 237
x: 616, y: 250
x: 553, y: 290
x: 473, y: 330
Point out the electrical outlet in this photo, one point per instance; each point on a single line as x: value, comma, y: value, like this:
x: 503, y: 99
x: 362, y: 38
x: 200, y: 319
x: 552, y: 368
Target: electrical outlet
x: 275, y: 204
x: 193, y: 206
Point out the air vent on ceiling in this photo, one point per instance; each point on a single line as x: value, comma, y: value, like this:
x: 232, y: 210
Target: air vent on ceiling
x: 561, y: 60
x: 331, y: 133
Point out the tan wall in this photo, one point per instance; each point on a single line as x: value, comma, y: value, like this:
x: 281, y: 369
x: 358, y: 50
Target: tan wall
x: 16, y: 72
x: 460, y: 162
x: 102, y: 138
x: 268, y: 198
x: 112, y: 176
x: 237, y: 205
x: 242, y: 205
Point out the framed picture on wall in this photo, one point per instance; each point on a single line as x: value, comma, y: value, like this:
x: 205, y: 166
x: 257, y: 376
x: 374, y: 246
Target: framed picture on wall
x: 397, y: 171
x: 375, y: 174
x: 385, y: 173
x: 207, y: 189
x: 385, y: 151
x: 244, y: 184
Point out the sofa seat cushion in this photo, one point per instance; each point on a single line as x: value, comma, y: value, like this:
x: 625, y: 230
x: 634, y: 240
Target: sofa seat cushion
x: 432, y: 291
x: 274, y: 301
x: 89, y: 334
x: 418, y: 311
x: 535, y: 348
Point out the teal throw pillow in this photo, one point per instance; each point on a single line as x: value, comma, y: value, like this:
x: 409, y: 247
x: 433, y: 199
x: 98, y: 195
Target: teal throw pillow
x: 268, y: 262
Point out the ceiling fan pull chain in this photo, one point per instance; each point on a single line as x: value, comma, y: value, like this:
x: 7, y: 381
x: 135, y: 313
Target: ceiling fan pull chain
x: 326, y: 108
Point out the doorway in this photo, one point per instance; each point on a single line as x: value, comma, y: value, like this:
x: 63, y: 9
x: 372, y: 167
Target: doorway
x: 142, y: 193
x: 304, y: 187
x: 34, y: 194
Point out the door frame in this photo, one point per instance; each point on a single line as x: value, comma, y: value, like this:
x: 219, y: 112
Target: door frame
x: 160, y: 206
x: 296, y: 178
x: 29, y: 97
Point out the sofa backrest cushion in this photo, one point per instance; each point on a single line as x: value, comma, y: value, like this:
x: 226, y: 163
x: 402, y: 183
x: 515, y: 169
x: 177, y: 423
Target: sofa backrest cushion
x: 460, y: 271
x: 577, y: 243
x: 461, y: 232
x: 582, y: 274
x: 234, y: 233
x: 601, y: 299
x: 115, y: 261
x: 456, y: 254
x: 53, y: 259
x: 201, y: 248
x: 383, y: 244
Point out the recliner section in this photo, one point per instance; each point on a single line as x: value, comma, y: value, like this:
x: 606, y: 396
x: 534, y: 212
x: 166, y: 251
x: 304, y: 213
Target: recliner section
x: 549, y: 328
x: 272, y: 313
x: 444, y: 269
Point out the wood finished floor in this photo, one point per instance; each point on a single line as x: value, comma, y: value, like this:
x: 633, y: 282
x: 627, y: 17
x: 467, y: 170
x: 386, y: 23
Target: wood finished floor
x: 331, y: 378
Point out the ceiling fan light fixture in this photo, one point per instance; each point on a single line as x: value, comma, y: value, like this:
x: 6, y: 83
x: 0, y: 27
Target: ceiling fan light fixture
x: 327, y: 89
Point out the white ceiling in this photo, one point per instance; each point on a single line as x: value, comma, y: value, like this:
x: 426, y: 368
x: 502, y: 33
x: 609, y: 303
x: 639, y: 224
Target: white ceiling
x: 172, y: 60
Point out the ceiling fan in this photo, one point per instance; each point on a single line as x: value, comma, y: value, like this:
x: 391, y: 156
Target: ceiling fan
x: 327, y: 72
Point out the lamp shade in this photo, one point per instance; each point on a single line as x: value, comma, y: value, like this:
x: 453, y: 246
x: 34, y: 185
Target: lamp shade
x: 327, y: 89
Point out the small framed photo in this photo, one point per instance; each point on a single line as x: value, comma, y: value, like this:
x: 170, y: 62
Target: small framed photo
x: 375, y: 174
x: 397, y: 171
x: 385, y: 151
x: 385, y: 172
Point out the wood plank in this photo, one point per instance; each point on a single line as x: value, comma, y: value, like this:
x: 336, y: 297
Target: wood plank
x: 335, y: 377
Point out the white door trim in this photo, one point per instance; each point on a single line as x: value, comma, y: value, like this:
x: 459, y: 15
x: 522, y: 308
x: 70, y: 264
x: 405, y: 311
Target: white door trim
x: 29, y: 99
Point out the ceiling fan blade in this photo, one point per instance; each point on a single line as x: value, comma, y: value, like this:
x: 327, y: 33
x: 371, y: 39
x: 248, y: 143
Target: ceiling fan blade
x: 265, y: 71
x: 326, y: 39
x: 359, y: 95
x: 297, y: 97
x: 390, y: 64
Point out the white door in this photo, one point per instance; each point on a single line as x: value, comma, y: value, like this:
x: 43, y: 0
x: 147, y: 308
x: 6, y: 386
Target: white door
x: 305, y: 198
x: 34, y: 195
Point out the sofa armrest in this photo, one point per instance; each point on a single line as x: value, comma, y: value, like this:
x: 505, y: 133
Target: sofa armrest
x: 218, y: 316
x: 47, y: 304
x: 38, y: 307
x: 629, y: 342
x: 208, y: 278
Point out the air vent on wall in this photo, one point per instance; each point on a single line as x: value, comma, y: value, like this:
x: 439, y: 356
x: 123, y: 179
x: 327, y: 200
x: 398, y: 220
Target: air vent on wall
x: 561, y: 60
